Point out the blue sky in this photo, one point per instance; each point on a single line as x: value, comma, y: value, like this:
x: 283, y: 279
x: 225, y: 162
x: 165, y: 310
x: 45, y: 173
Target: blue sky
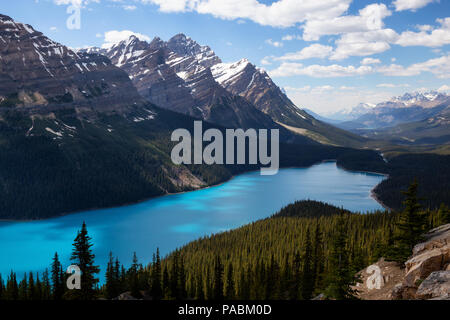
x: 327, y: 54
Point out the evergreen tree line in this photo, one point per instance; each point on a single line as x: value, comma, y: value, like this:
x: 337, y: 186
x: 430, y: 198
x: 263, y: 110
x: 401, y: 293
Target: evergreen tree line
x: 294, y: 254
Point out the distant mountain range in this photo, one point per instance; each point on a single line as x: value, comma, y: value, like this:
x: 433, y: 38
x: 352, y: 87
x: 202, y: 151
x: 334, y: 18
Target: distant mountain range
x: 409, y: 107
x: 413, y: 118
x: 352, y: 113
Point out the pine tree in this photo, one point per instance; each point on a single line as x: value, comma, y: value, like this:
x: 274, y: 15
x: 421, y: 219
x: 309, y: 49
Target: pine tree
x: 12, y: 289
x: 443, y: 215
x: 83, y: 257
x: 182, y: 294
x: 156, y: 289
x: 166, y: 283
x: 118, y: 276
x: 23, y: 293
x: 199, y: 293
x: 174, y: 276
x: 133, y: 274
x: 2, y: 288
x: 297, y: 277
x: 307, y: 274
x: 342, y: 276
x: 112, y: 285
x: 31, y: 288
x: 229, y: 290
x: 410, y: 227
x: 218, y: 279
x: 318, y: 259
x: 46, y: 289
x: 37, y: 295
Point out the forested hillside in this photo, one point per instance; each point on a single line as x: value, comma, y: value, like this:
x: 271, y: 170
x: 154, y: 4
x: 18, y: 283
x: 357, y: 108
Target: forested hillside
x: 431, y: 171
x: 305, y: 249
x: 60, y: 163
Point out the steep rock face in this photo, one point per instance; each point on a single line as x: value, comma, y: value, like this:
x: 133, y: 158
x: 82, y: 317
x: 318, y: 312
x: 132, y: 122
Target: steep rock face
x: 431, y: 255
x: 426, y: 275
x: 39, y: 73
x: 177, y: 75
x: 254, y: 84
x: 436, y: 286
x: 244, y: 79
x: 185, y: 77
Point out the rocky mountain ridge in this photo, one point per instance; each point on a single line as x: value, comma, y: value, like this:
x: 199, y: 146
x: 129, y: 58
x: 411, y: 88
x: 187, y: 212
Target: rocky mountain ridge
x: 183, y: 76
x: 39, y: 74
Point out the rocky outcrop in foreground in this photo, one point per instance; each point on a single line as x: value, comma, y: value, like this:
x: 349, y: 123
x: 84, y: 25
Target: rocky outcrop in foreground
x: 426, y: 274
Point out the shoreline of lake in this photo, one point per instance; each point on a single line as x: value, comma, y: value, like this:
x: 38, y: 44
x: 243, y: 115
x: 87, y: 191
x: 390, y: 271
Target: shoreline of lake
x: 372, y: 193
x: 170, y: 221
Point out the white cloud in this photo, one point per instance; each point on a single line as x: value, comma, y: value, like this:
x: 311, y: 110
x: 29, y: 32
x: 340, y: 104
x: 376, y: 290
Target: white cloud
x: 444, y: 88
x: 391, y: 85
x: 53, y: 29
x: 318, y: 99
x: 290, y: 37
x: 276, y: 44
x: 434, y: 37
x: 313, y: 51
x: 319, y: 71
x: 114, y: 36
x: 369, y: 18
x: 282, y: 13
x: 360, y: 48
x: 347, y: 88
x: 266, y: 61
x: 363, y: 43
x: 129, y: 7
x: 440, y: 67
x: 413, y: 5
x: 367, y: 61
x: 77, y: 3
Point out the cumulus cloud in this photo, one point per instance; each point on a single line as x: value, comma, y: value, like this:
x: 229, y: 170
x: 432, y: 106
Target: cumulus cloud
x: 290, y: 37
x: 266, y: 61
x: 444, y: 88
x: 77, y: 3
x: 114, y: 36
x: 276, y: 44
x: 313, y: 51
x: 391, y: 85
x: 369, y: 18
x: 282, y: 13
x: 428, y: 37
x: 440, y: 67
x: 367, y: 61
x: 363, y: 43
x: 412, y: 5
x: 319, y: 71
x: 129, y: 7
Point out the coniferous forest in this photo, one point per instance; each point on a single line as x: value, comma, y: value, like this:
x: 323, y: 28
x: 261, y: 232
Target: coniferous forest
x: 306, y: 249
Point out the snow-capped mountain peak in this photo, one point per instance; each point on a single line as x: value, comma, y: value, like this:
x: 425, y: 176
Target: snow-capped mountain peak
x: 225, y: 73
x: 46, y: 73
x: 417, y: 97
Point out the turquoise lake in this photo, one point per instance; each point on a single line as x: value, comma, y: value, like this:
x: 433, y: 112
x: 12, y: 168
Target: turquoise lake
x: 170, y: 221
